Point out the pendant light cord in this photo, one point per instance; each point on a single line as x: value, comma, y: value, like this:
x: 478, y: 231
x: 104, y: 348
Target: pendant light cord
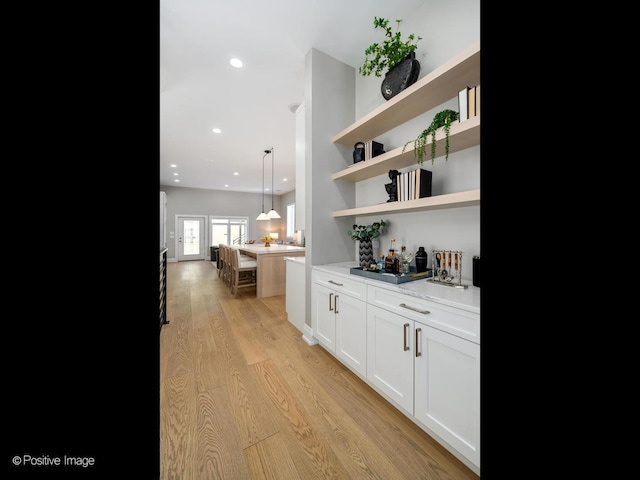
x: 272, y: 162
x: 263, y: 181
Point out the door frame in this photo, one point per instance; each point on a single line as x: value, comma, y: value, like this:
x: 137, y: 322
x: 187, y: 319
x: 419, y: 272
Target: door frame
x: 207, y: 254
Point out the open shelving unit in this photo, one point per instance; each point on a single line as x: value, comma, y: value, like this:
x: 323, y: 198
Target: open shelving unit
x: 433, y: 89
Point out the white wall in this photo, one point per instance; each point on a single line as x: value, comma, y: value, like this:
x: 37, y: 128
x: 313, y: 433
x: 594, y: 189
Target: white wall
x: 446, y: 29
x: 200, y: 201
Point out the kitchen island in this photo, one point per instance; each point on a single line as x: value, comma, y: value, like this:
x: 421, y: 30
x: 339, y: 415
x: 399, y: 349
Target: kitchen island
x: 272, y: 270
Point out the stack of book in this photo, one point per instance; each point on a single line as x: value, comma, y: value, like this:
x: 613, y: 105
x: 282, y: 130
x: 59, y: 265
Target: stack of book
x: 413, y: 184
x: 372, y: 149
x: 469, y: 102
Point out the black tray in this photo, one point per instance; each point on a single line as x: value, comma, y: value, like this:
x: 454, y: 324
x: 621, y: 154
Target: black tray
x: 393, y: 278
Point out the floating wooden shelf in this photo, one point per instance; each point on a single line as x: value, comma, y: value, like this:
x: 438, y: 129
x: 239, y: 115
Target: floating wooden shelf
x: 461, y: 136
x: 435, y: 88
x: 449, y: 200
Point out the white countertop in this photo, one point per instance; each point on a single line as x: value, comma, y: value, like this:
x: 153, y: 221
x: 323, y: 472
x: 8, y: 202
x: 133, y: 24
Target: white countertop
x: 259, y: 248
x: 464, y: 298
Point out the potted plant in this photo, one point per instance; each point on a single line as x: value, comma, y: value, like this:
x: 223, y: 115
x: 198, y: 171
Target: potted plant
x: 395, y: 56
x: 364, y: 234
x: 442, y: 119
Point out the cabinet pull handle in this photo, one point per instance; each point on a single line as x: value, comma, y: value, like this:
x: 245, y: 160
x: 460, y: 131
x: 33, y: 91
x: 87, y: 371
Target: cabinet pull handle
x: 418, y: 352
x: 406, y: 334
x: 404, y: 305
x: 330, y: 306
x: 336, y: 283
x: 335, y: 304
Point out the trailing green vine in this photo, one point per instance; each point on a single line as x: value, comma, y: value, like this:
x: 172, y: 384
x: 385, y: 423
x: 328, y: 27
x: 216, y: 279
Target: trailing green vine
x: 442, y: 119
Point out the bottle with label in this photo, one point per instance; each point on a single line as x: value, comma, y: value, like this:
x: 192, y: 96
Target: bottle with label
x: 421, y: 260
x: 380, y: 263
x: 391, y: 262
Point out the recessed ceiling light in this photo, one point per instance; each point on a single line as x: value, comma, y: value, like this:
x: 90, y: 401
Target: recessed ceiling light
x: 226, y: 185
x: 176, y: 180
x: 236, y: 62
x: 173, y: 165
x: 236, y: 173
x: 176, y: 174
x: 217, y: 130
x: 285, y: 180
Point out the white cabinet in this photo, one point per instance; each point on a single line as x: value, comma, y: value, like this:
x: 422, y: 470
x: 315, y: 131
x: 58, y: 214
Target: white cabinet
x: 295, y: 291
x: 425, y: 357
x: 447, y: 389
x: 338, y: 318
x: 390, y: 356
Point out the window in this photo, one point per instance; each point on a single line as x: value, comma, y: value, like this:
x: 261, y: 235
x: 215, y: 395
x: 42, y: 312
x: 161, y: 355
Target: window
x: 291, y: 219
x: 228, y: 230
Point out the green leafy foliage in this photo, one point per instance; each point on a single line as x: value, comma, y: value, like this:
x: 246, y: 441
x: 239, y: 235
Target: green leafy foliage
x: 442, y: 119
x: 361, y: 232
x: 385, y: 55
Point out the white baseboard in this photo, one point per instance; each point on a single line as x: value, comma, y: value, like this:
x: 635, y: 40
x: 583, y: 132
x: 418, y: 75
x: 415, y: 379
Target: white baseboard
x: 308, y: 335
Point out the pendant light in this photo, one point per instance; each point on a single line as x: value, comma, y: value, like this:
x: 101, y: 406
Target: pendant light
x: 263, y: 216
x: 272, y: 213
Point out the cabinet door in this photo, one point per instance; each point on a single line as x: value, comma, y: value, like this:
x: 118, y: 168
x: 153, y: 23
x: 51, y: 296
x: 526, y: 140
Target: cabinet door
x: 323, y: 319
x: 351, y: 332
x: 390, y: 355
x: 447, y: 389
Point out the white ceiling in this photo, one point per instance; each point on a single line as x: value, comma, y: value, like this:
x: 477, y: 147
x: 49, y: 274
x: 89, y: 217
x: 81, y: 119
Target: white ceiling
x: 200, y: 90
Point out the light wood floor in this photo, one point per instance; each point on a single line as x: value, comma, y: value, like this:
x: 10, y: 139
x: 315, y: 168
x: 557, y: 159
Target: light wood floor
x: 242, y: 396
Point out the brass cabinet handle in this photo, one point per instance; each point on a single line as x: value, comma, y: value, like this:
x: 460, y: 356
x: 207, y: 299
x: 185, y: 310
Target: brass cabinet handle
x: 418, y: 352
x: 404, y: 305
x: 406, y: 334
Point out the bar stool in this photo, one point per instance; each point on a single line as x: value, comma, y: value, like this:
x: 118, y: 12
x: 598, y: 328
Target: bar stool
x: 244, y: 273
x: 221, y: 259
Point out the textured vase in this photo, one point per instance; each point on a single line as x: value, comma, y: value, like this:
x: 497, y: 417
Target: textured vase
x: 400, y: 76
x: 366, y: 252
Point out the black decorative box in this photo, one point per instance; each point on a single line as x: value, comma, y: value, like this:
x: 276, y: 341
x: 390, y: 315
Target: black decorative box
x: 391, y: 277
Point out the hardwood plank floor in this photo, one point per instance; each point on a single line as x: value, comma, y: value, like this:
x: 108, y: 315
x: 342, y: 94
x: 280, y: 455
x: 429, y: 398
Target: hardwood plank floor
x: 242, y: 396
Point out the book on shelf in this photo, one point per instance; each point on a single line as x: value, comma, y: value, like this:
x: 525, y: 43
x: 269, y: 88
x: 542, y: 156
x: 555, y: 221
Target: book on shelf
x: 471, y: 104
x: 463, y: 104
x: 477, y: 99
x: 423, y: 183
x: 372, y: 149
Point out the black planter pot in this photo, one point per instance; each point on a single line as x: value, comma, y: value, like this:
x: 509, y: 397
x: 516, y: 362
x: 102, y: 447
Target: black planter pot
x: 400, y: 76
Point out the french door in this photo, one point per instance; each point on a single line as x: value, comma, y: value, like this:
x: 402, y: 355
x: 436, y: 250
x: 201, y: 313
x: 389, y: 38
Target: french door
x: 191, y: 238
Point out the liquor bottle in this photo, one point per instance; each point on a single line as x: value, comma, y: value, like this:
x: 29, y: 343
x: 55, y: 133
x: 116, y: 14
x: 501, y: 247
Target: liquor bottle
x: 421, y: 260
x: 391, y: 262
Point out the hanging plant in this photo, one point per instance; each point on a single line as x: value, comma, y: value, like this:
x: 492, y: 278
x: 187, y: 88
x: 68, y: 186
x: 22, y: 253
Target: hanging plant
x: 442, y: 119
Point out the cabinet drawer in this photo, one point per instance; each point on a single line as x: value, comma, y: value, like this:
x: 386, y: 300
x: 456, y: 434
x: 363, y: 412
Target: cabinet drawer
x: 349, y: 286
x: 448, y: 319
